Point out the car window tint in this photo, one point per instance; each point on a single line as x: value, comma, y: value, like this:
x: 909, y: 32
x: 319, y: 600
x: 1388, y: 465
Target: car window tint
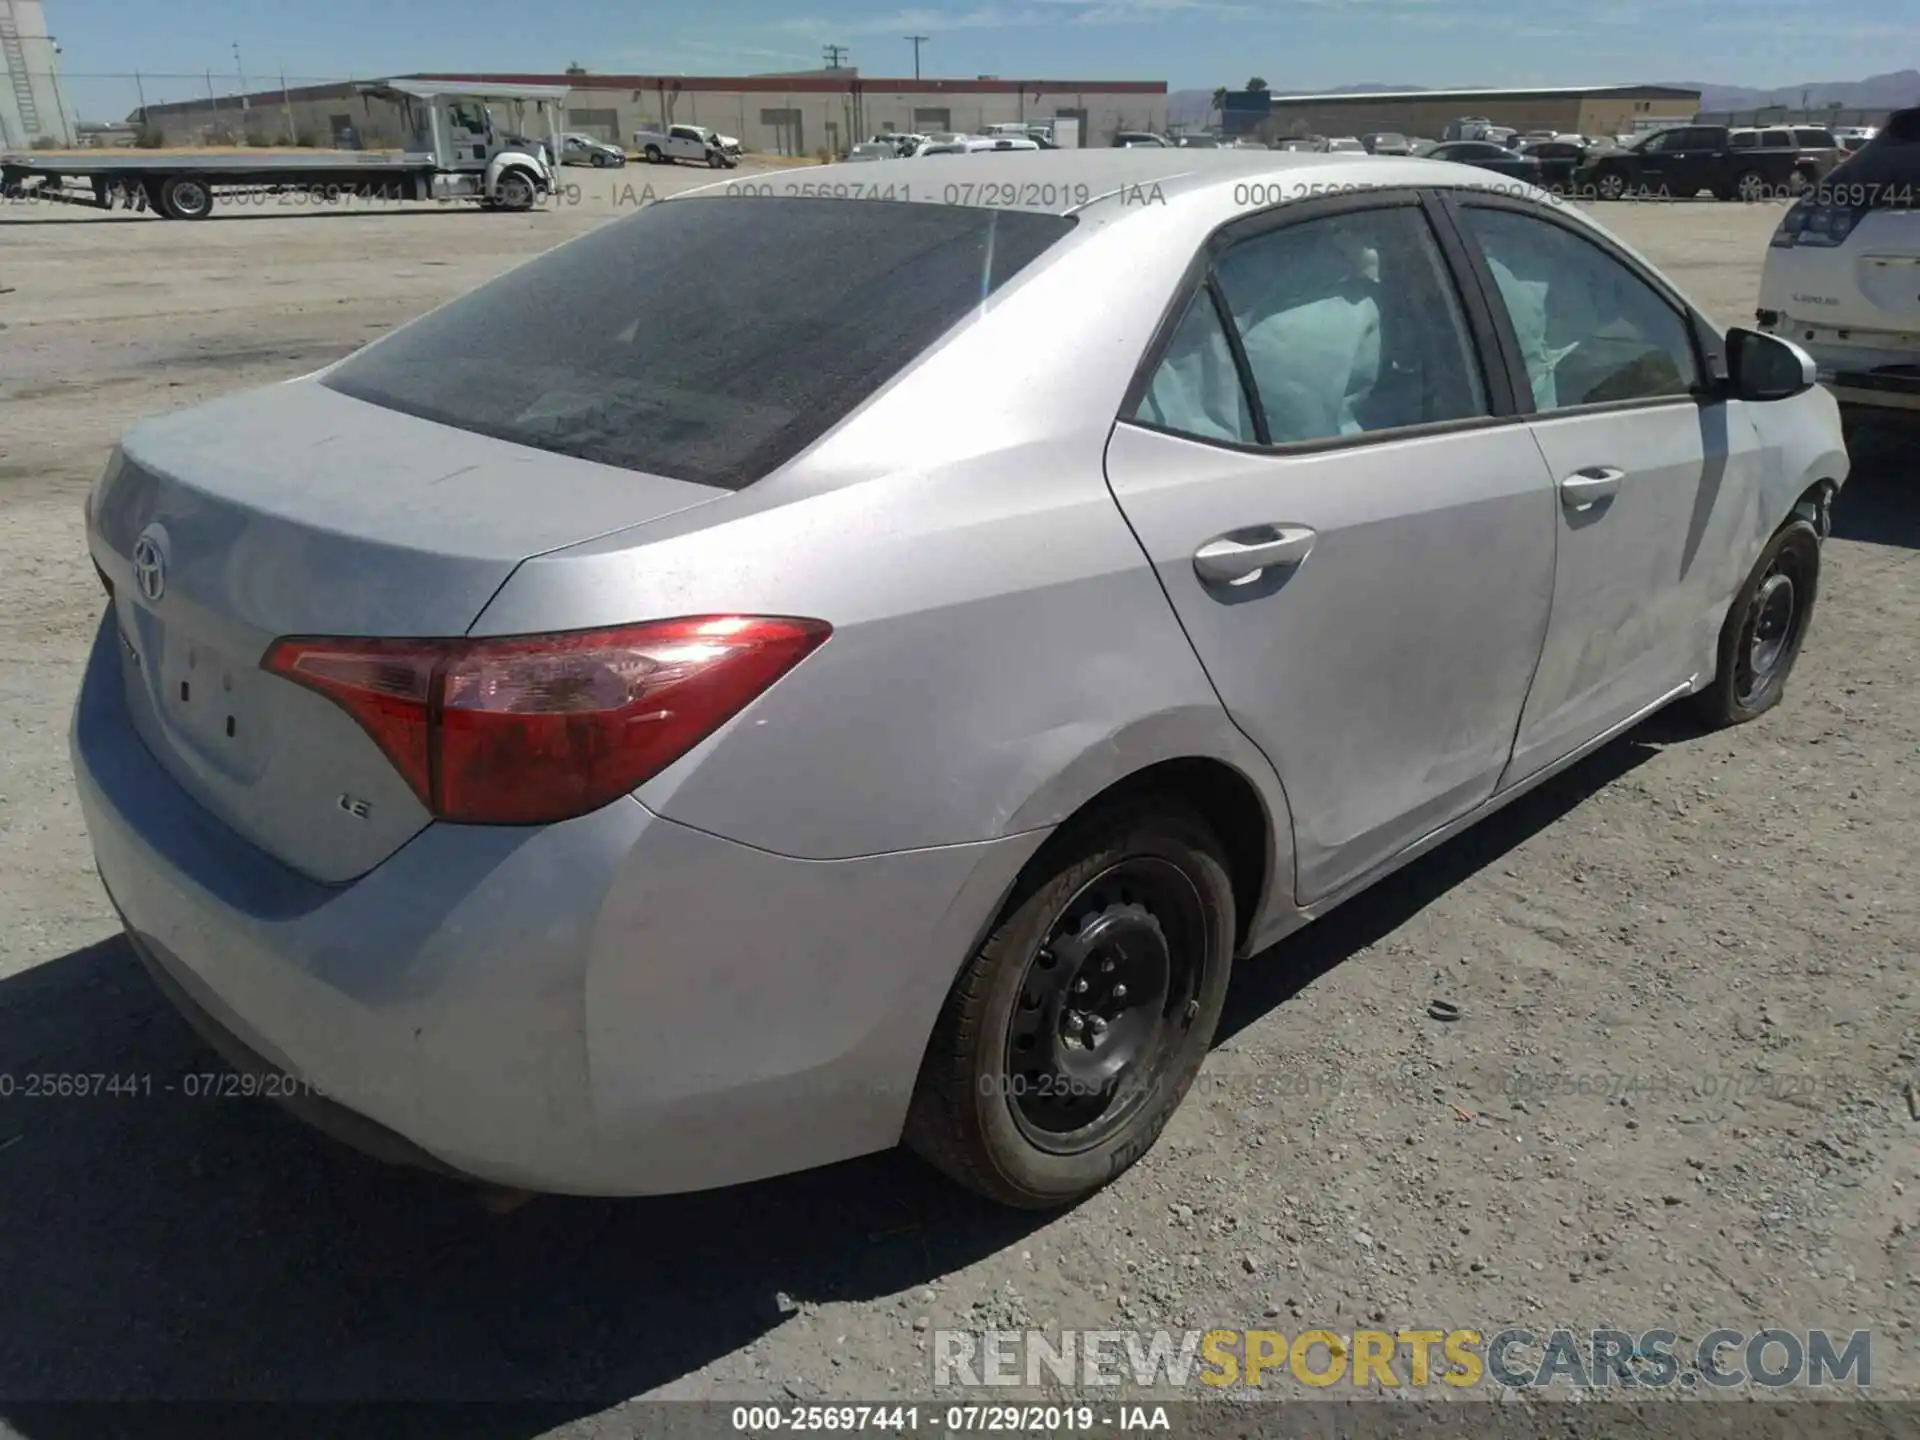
x: 1351, y: 326
x: 1196, y: 390
x: 1591, y: 331
x: 703, y: 339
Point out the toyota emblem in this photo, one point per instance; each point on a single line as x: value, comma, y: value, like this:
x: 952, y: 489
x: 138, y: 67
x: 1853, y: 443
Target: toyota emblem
x: 150, y: 563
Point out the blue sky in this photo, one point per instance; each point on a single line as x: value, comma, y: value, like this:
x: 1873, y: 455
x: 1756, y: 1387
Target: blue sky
x: 1294, y: 44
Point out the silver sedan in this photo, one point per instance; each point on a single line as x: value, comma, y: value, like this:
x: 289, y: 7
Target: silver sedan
x: 631, y: 731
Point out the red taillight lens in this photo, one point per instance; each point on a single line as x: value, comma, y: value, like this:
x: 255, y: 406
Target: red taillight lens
x: 540, y: 728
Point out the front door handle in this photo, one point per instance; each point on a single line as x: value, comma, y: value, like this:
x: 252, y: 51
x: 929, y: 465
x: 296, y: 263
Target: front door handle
x: 1240, y: 555
x: 1591, y: 485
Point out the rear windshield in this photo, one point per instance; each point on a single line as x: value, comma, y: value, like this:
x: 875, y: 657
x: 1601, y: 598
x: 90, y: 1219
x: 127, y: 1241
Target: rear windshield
x: 703, y: 339
x: 1884, y: 174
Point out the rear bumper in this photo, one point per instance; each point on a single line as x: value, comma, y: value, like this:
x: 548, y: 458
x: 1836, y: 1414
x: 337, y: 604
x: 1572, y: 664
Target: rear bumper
x: 614, y: 1005
x: 1876, y: 370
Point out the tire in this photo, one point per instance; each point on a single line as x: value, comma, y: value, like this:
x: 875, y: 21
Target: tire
x: 654, y: 157
x: 1764, y: 629
x: 185, y: 197
x: 601, y: 160
x: 716, y: 160
x: 1750, y: 186
x: 1140, y: 890
x: 1611, y: 185
x: 516, y: 190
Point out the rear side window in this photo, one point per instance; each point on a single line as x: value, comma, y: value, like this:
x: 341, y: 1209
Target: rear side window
x: 703, y: 339
x: 1349, y: 326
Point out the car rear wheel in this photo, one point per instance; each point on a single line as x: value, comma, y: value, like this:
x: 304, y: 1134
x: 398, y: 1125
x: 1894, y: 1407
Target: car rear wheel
x: 654, y: 156
x: 1078, y: 1026
x: 1764, y: 628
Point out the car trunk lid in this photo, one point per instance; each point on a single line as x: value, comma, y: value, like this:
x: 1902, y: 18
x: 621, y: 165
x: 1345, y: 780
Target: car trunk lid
x: 300, y: 511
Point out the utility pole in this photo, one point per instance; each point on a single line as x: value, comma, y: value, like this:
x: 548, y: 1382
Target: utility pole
x: 240, y: 74
x: 834, y: 55
x: 917, y: 41
x: 286, y: 100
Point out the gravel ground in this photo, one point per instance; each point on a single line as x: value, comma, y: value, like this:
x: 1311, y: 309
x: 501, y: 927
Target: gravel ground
x: 1676, y: 1095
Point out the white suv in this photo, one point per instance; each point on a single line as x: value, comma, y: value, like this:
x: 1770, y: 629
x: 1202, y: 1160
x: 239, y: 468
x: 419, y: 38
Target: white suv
x: 1842, y: 278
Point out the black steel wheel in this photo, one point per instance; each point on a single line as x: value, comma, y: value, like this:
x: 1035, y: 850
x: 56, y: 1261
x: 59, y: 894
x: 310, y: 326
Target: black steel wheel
x: 1077, y: 1027
x: 1764, y: 628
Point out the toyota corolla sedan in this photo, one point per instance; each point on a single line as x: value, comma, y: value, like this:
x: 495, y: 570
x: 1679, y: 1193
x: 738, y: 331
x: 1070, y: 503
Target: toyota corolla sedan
x: 624, y: 733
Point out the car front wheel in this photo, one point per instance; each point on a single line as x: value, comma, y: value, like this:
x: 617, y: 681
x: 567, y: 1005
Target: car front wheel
x: 1764, y: 628
x: 1078, y: 1026
x: 1611, y: 186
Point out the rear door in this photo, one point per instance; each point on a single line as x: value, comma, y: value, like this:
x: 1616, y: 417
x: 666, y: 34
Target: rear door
x: 1361, y: 553
x: 1656, y: 473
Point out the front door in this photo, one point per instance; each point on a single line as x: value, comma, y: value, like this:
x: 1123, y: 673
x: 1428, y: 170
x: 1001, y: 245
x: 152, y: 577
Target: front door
x: 1362, y: 556
x: 1650, y: 468
x: 468, y: 133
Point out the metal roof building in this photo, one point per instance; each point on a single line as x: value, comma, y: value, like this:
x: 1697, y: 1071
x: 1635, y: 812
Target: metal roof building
x: 1575, y: 109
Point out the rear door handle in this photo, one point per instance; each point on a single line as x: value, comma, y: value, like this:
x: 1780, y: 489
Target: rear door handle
x: 1588, y: 486
x: 1240, y: 555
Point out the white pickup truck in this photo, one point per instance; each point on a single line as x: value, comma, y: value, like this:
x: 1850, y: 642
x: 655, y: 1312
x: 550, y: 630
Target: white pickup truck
x: 687, y: 142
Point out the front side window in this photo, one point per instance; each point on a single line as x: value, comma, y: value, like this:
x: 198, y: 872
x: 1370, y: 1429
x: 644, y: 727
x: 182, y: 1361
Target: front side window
x: 1350, y: 326
x: 1590, y: 330
x: 702, y: 339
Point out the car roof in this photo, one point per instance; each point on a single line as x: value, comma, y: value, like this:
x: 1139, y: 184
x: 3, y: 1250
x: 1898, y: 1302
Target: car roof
x: 1104, y: 186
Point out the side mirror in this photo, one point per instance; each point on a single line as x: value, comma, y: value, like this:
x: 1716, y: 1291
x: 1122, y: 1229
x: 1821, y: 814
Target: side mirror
x: 1765, y: 367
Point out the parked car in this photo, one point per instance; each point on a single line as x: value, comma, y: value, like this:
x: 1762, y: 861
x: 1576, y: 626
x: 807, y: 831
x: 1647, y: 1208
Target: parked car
x: 1420, y: 146
x: 1560, y: 162
x: 1842, y: 276
x: 1248, y: 142
x: 578, y: 149
x: 897, y: 143
x: 977, y: 145
x: 1342, y: 145
x: 1138, y: 140
x: 1197, y: 142
x: 1681, y: 162
x: 524, y: 739
x: 874, y: 150
x: 1485, y: 155
x: 1386, y: 144
x: 1853, y: 137
x: 695, y: 143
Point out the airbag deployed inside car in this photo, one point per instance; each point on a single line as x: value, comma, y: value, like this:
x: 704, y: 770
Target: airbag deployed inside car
x: 1313, y: 363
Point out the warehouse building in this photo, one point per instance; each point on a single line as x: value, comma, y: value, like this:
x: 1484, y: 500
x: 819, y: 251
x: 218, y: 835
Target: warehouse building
x: 1577, y: 110
x: 797, y: 115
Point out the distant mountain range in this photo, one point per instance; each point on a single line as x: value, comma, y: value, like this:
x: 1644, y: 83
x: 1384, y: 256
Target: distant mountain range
x: 1899, y: 88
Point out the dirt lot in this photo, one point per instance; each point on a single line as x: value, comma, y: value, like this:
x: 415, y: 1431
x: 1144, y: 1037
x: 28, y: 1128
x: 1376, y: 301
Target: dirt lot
x: 1676, y: 1096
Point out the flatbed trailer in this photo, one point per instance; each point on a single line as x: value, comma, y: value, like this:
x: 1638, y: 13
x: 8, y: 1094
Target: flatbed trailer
x: 458, y: 149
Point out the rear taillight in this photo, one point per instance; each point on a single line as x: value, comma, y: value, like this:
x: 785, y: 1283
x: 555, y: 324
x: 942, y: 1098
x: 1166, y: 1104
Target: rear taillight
x: 540, y: 728
x: 1820, y: 226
